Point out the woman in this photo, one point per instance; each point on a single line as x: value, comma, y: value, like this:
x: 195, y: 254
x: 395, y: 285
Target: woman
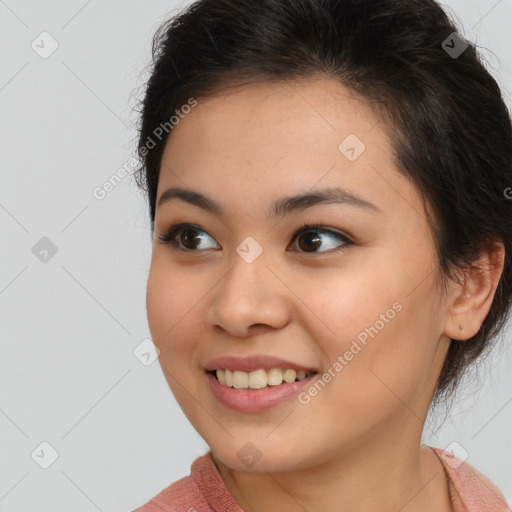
x: 332, y: 237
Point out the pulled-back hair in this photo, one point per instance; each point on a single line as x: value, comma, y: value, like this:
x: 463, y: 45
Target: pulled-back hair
x: 449, y: 127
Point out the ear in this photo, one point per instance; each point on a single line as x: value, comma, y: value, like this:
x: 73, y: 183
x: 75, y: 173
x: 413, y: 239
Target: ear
x: 470, y: 302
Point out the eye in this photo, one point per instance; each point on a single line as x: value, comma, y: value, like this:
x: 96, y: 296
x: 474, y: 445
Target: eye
x: 313, y: 235
x: 189, y: 238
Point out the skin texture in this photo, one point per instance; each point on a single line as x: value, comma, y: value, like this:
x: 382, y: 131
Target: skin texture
x: 357, y: 444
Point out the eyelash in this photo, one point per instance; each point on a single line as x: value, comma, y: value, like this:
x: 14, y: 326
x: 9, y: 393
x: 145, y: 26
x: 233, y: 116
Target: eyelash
x: 168, y: 236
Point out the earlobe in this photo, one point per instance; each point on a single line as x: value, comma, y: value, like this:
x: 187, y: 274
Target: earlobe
x: 472, y: 300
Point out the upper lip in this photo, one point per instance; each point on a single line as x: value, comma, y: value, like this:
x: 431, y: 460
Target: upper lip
x: 254, y: 362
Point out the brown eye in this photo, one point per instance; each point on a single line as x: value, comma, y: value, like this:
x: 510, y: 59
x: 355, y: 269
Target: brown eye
x: 310, y: 238
x: 189, y: 238
x: 185, y: 237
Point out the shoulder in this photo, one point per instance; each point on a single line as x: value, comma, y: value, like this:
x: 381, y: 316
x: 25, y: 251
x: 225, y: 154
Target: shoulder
x: 184, y: 495
x: 471, y: 490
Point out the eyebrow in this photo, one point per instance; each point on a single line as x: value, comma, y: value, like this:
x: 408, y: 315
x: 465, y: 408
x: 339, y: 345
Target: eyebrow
x: 279, y: 208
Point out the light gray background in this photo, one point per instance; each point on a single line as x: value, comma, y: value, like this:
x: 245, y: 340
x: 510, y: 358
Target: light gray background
x: 69, y: 326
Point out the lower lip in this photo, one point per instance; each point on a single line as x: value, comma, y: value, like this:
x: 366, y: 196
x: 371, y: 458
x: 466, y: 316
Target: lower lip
x: 256, y: 400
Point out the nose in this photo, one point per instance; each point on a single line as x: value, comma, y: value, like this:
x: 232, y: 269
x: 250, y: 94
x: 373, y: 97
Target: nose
x: 249, y: 298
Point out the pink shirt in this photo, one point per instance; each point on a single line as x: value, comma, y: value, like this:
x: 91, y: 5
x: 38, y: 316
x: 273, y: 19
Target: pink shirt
x: 204, y: 490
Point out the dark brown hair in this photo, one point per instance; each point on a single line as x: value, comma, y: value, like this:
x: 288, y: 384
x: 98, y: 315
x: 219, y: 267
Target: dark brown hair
x: 449, y: 126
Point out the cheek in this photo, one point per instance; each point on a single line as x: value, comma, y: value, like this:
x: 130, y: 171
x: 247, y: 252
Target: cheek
x: 378, y: 339
x: 168, y: 300
x: 159, y: 303
x: 172, y: 331
x: 168, y: 294
x: 351, y: 307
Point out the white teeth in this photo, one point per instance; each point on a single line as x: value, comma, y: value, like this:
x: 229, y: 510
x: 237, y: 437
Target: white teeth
x: 240, y: 379
x: 289, y: 375
x: 275, y: 376
x: 221, y: 376
x: 259, y: 379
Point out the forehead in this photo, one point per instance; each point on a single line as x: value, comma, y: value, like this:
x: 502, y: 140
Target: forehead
x: 262, y: 139
x: 280, y: 116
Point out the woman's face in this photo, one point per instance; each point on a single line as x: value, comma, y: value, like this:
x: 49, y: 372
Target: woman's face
x: 354, y: 300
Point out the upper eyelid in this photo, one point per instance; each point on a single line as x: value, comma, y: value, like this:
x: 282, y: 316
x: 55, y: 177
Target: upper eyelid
x: 176, y: 228
x: 312, y: 226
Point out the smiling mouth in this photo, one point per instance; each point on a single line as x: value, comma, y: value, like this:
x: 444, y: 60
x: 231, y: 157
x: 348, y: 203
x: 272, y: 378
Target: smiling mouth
x: 259, y: 379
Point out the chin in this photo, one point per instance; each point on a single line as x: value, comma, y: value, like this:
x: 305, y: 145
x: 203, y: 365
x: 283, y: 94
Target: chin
x: 260, y: 456
x: 273, y: 464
